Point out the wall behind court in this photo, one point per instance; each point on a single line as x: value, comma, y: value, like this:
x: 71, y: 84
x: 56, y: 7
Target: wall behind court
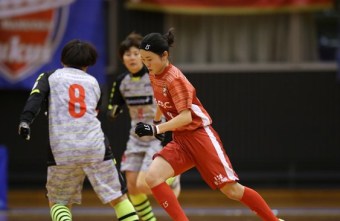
x: 279, y: 129
x: 276, y: 127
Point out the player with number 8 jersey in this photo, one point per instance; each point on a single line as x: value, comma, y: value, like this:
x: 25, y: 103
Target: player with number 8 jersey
x: 72, y: 108
x: 78, y: 146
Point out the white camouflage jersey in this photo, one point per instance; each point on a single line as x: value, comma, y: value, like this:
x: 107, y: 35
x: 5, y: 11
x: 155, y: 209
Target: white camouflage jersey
x: 136, y: 92
x: 75, y: 132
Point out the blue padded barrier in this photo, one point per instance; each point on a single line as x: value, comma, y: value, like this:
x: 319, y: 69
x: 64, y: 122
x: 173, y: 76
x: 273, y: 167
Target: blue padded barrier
x: 3, y: 177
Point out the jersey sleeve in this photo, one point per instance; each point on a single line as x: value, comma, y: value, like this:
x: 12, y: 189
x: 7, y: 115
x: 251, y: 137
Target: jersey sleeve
x: 116, y: 97
x: 181, y: 93
x: 36, y: 99
x: 100, y: 101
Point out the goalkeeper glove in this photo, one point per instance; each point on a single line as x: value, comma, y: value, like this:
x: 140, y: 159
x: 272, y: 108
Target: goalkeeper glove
x: 160, y: 136
x: 24, y: 130
x: 143, y: 129
x: 114, y: 112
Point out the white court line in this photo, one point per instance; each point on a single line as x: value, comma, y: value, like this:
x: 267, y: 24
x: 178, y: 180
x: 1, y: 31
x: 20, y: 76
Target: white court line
x: 190, y: 211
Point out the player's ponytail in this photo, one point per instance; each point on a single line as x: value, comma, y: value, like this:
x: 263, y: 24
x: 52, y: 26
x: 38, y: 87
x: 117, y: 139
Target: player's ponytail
x: 170, y: 37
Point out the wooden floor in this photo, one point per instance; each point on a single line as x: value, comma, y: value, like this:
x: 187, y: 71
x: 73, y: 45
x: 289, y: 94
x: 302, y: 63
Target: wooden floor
x: 199, y: 204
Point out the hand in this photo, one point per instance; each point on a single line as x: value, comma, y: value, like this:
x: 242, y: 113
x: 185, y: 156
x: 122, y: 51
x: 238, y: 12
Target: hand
x: 24, y: 130
x: 160, y: 137
x: 167, y: 138
x: 114, y: 112
x: 143, y: 129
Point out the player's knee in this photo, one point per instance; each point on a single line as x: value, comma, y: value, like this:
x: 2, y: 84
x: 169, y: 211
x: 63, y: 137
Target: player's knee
x: 152, y: 179
x: 149, y: 179
x: 232, y: 195
x: 233, y: 191
x: 143, y: 187
x: 132, y: 187
x: 118, y: 200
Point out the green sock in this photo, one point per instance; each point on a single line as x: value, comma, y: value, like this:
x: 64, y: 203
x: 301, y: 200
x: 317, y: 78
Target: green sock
x: 125, y: 211
x: 170, y: 180
x: 60, y: 213
x: 143, y: 207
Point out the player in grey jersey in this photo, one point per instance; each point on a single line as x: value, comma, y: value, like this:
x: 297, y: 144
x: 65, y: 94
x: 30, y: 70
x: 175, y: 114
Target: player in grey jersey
x: 133, y: 89
x: 78, y: 146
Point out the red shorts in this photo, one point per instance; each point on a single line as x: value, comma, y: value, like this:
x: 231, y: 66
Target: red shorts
x: 203, y: 149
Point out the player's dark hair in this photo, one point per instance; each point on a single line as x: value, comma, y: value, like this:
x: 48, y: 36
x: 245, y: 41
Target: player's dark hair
x: 132, y: 40
x: 157, y: 42
x: 79, y: 54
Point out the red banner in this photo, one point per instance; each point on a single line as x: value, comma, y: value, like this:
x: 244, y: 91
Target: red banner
x: 229, y: 6
x: 33, y: 32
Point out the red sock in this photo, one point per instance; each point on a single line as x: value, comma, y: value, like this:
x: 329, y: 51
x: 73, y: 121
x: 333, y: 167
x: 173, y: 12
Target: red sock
x: 167, y: 199
x: 257, y: 204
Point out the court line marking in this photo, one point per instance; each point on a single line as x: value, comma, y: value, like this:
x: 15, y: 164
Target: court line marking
x: 190, y: 211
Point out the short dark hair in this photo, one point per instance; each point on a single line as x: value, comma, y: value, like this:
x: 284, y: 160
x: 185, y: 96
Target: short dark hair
x: 79, y: 54
x: 132, y: 40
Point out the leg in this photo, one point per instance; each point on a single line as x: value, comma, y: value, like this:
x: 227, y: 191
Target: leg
x: 250, y: 198
x: 135, y: 165
x: 175, y: 184
x: 138, y: 190
x: 60, y: 212
x: 64, y: 185
x: 218, y: 172
x: 108, y: 184
x: 124, y: 209
x: 141, y: 184
x: 160, y: 170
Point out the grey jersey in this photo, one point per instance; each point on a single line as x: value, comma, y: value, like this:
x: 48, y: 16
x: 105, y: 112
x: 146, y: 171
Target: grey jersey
x: 75, y: 131
x: 136, y: 92
x: 72, y: 97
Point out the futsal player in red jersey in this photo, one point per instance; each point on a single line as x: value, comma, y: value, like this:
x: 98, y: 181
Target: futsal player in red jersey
x: 195, y: 142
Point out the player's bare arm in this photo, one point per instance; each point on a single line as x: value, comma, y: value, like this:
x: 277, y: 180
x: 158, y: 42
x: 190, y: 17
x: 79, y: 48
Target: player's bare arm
x: 158, y: 115
x: 184, y: 118
x: 180, y: 120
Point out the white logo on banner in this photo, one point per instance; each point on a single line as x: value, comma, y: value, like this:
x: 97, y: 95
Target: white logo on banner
x: 30, y: 32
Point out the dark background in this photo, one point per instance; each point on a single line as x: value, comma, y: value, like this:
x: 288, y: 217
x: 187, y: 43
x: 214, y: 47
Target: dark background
x: 279, y: 129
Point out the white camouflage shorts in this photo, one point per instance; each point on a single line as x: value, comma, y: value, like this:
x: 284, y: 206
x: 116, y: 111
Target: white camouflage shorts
x: 65, y: 182
x: 137, y: 157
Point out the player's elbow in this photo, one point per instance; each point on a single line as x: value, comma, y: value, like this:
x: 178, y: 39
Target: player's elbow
x: 187, y: 117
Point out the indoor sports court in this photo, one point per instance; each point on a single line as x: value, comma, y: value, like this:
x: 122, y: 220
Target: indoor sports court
x: 199, y: 204
x: 268, y: 72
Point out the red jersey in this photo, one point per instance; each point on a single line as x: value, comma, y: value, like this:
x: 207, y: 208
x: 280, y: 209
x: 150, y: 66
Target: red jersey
x: 174, y: 93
